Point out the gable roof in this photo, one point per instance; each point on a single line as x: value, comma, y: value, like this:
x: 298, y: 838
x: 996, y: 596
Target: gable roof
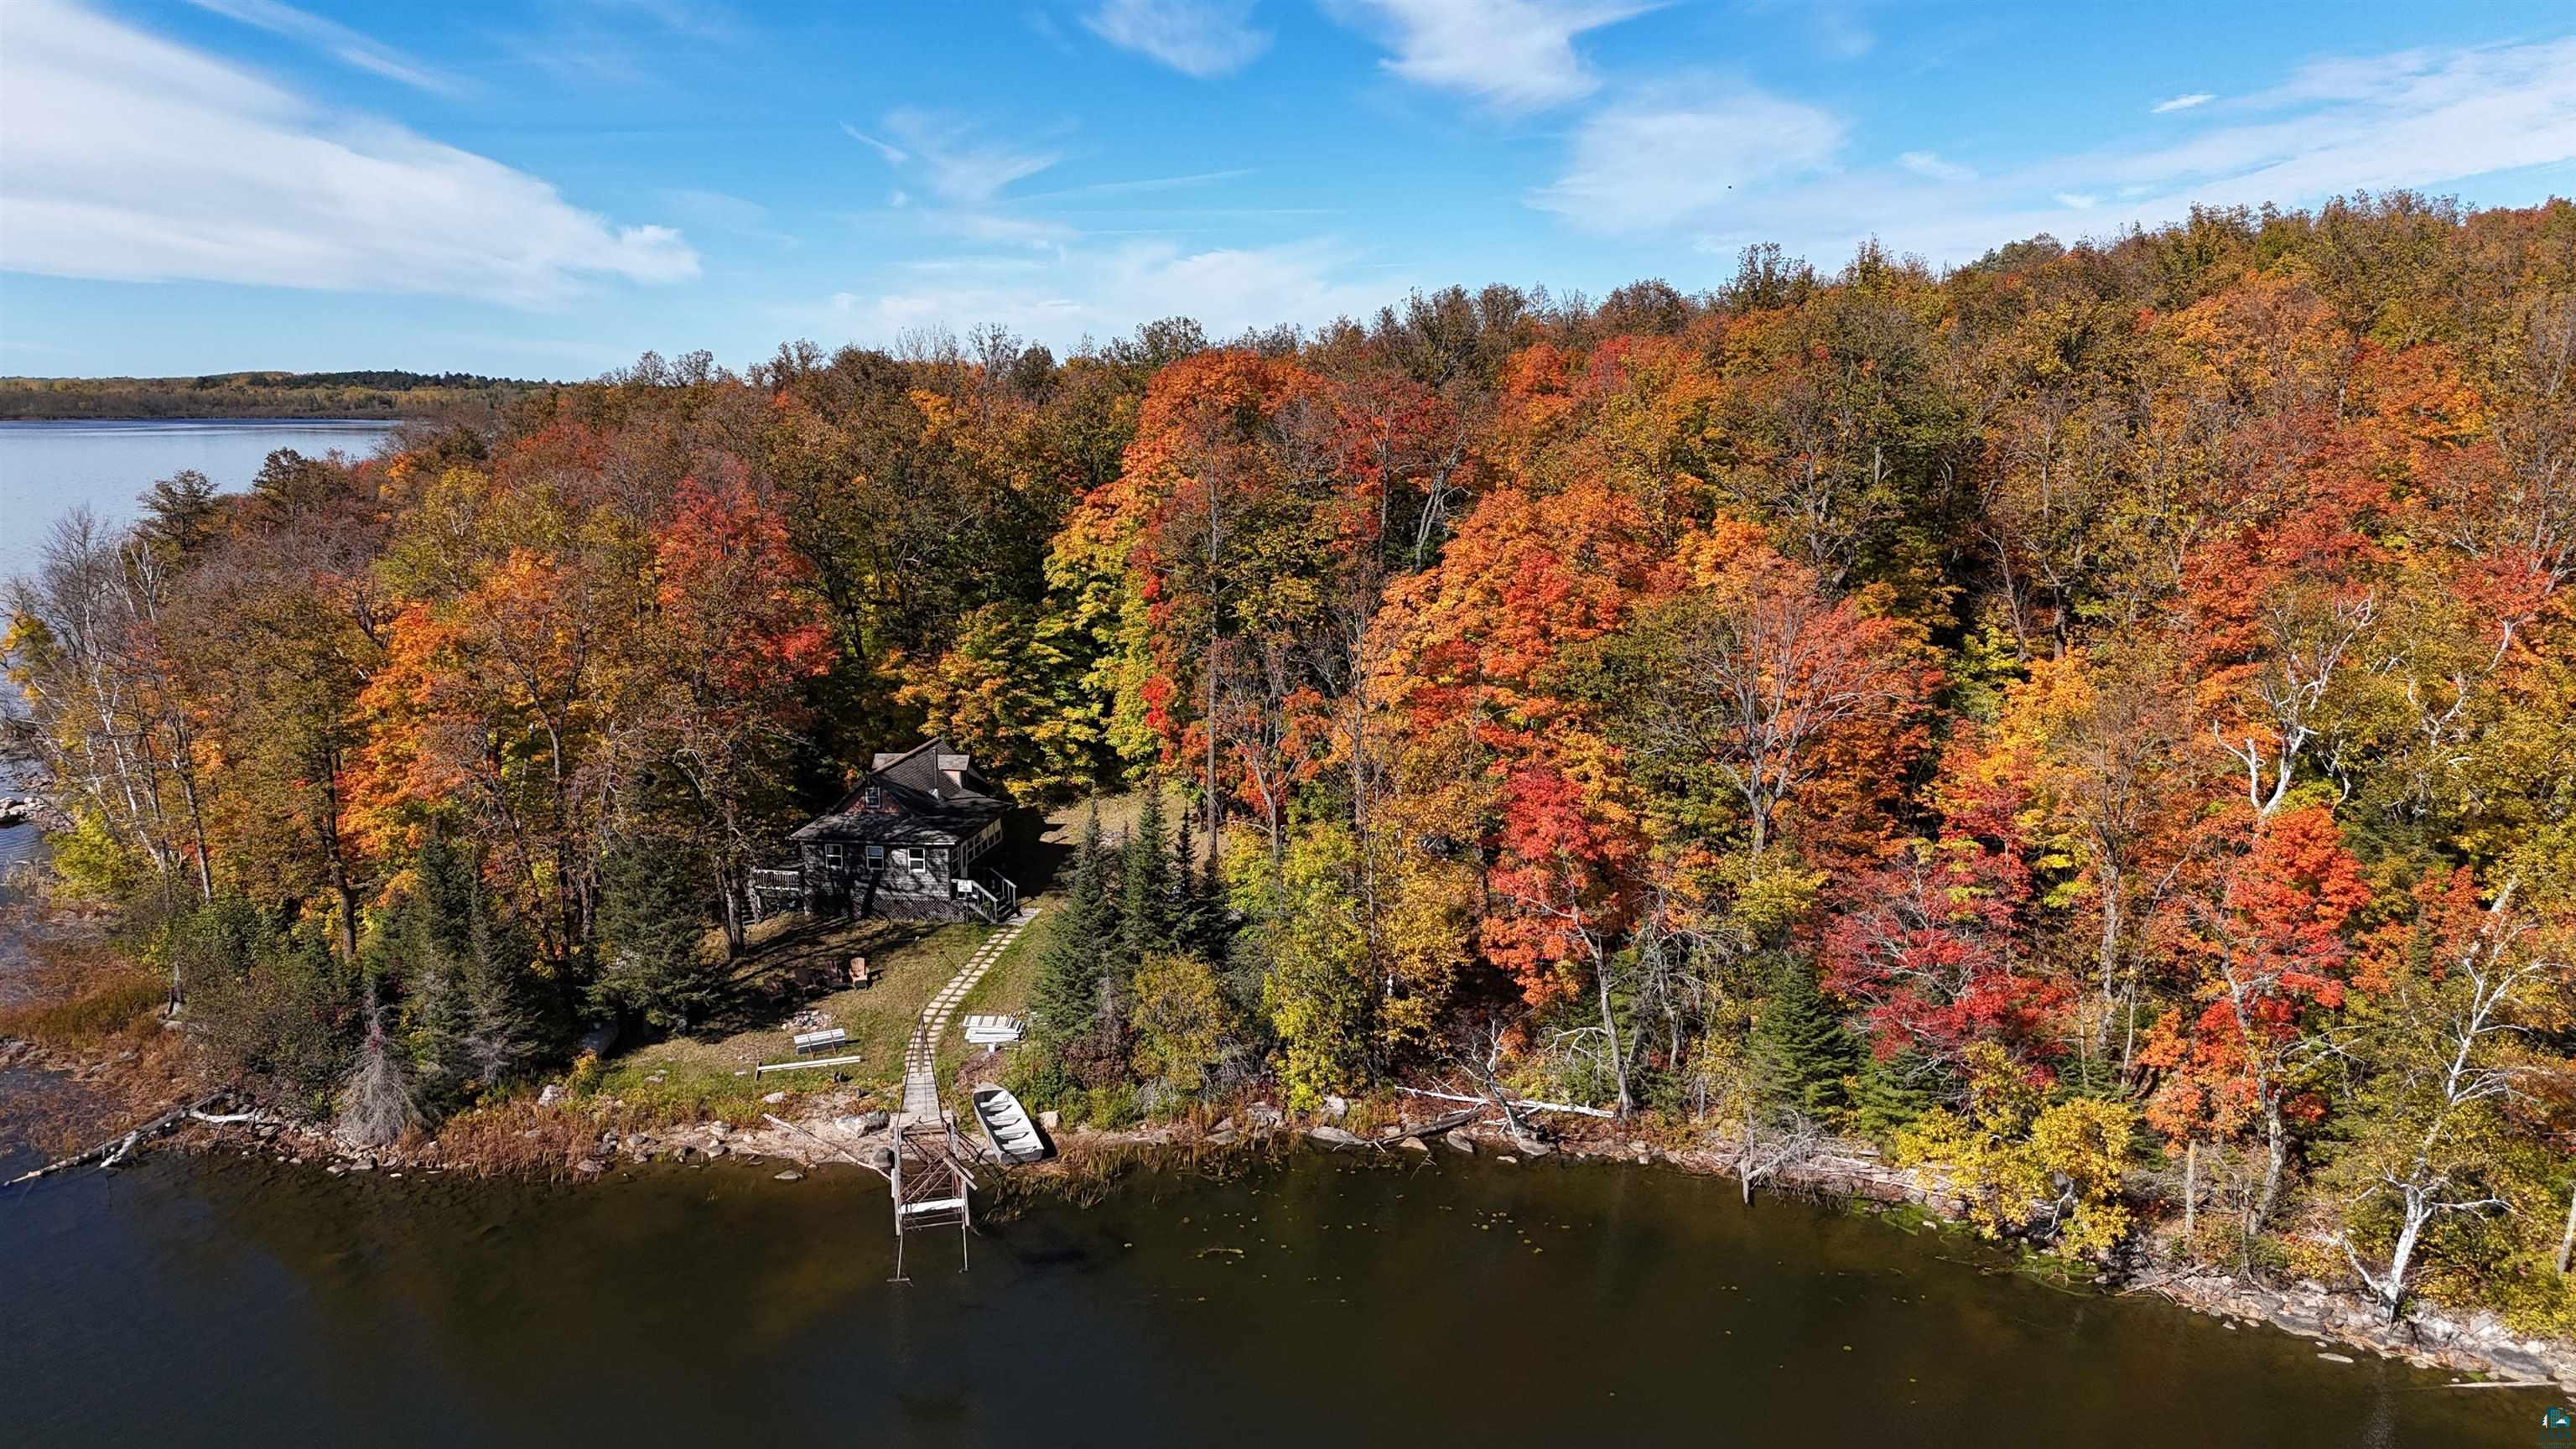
x: 928, y: 795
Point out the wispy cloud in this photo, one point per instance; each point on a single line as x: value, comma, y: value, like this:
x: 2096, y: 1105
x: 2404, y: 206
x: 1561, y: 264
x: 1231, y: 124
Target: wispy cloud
x: 893, y: 154
x: 133, y: 158
x: 1201, y: 38
x: 1515, y: 55
x: 1685, y: 150
x: 1662, y: 160
x: 1928, y: 164
x: 1141, y: 185
x: 1104, y: 292
x: 2182, y: 103
x: 958, y: 163
x: 335, y: 40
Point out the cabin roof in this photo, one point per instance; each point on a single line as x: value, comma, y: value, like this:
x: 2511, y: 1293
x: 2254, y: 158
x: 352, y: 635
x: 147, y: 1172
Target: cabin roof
x: 914, y: 798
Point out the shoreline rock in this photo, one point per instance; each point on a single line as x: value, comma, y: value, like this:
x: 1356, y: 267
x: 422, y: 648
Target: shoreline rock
x: 838, y: 1136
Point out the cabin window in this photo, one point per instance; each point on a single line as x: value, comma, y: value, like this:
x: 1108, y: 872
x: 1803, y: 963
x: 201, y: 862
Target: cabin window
x: 835, y: 857
x: 876, y: 856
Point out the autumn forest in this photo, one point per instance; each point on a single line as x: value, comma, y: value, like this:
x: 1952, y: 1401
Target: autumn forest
x: 2099, y: 720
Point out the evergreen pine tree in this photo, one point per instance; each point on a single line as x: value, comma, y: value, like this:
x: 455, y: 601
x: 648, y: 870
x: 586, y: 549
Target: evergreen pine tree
x: 1145, y: 895
x: 652, y: 916
x: 1801, y: 1047
x: 1891, y: 1093
x: 1196, y: 923
x: 1064, y: 1002
x: 500, y: 1028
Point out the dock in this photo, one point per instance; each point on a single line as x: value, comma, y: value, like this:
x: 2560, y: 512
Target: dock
x: 932, y: 1177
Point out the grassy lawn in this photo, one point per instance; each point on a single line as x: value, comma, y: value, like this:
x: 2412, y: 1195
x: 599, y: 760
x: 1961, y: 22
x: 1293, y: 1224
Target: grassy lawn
x: 1005, y: 988
x: 909, y: 965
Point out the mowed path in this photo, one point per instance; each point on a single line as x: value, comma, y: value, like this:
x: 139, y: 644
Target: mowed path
x: 921, y: 1051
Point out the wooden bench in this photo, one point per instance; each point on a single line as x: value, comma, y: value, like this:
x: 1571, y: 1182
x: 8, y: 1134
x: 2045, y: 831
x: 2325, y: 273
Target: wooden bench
x: 808, y: 1042
x: 992, y: 1030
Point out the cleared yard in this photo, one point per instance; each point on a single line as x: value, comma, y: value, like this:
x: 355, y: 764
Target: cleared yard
x: 909, y: 965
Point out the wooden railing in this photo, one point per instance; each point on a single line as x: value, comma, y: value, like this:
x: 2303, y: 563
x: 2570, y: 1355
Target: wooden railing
x: 990, y: 894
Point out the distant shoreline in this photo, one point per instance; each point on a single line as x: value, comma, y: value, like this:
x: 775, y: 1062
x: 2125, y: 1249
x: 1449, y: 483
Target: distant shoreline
x: 333, y: 420
x: 359, y: 396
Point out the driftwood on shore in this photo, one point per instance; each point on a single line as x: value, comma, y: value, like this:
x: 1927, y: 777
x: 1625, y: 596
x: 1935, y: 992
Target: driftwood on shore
x: 113, y: 1150
x: 1517, y: 1104
x: 828, y: 1146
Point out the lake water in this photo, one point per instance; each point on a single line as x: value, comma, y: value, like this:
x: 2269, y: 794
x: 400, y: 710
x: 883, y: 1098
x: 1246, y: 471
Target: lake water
x: 48, y: 467
x: 1322, y: 1300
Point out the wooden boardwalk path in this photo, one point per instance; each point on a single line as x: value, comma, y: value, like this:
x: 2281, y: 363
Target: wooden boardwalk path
x: 921, y: 1050
x: 931, y: 1178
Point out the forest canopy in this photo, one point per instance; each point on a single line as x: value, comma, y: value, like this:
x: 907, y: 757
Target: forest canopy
x: 2098, y: 718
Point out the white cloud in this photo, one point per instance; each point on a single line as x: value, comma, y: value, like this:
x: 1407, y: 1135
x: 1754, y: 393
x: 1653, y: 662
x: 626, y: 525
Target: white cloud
x: 1686, y: 153
x: 1200, y: 38
x: 1930, y: 165
x: 1516, y: 55
x: 336, y: 40
x: 132, y: 158
x: 2182, y: 103
x: 2419, y: 119
x: 1104, y: 293
x: 958, y: 165
x: 894, y: 155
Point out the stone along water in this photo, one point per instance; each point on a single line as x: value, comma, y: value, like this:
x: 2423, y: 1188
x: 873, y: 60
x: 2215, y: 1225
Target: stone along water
x: 1319, y: 1301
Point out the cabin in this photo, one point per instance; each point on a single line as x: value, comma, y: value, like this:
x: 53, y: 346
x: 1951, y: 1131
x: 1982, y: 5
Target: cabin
x: 906, y: 842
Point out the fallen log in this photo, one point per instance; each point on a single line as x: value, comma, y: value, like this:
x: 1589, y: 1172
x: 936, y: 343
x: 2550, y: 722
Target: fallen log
x: 829, y: 1146
x: 113, y: 1150
x: 1518, y: 1104
x: 1442, y: 1123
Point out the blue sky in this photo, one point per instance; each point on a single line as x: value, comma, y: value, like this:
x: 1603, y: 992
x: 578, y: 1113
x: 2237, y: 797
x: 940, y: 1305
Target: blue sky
x: 548, y: 190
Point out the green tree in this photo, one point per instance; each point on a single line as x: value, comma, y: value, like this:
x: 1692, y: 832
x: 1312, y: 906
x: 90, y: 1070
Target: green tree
x: 653, y: 919
x: 1182, y: 1022
x: 1803, y: 1054
x: 1147, y: 901
x: 1065, y: 1001
x: 1315, y: 953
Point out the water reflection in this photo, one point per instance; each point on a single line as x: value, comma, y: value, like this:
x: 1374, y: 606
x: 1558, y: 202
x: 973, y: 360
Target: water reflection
x: 1322, y: 1300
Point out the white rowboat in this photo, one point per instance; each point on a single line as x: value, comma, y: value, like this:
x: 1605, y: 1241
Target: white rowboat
x: 1007, y: 1125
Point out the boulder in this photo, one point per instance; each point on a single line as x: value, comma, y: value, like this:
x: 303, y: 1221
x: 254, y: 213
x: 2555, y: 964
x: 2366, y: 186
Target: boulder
x: 1332, y: 1136
x: 1264, y: 1116
x: 552, y: 1094
x: 790, y: 1175
x: 1459, y: 1141
x: 1336, y: 1108
x: 881, y: 1158
x: 1414, y: 1144
x: 873, y: 1121
x: 1049, y: 1119
x: 774, y: 1098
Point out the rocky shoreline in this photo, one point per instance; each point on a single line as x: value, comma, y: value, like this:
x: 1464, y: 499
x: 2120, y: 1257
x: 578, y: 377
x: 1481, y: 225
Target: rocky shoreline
x: 845, y: 1129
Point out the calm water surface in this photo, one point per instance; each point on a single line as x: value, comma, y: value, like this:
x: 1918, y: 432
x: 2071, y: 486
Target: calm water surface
x: 48, y: 467
x: 1322, y: 1301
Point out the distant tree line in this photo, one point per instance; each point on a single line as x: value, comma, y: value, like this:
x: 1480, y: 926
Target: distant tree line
x: 368, y: 394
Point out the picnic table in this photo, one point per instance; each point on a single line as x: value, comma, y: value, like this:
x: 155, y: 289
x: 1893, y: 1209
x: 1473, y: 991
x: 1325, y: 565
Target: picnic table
x: 809, y: 1042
